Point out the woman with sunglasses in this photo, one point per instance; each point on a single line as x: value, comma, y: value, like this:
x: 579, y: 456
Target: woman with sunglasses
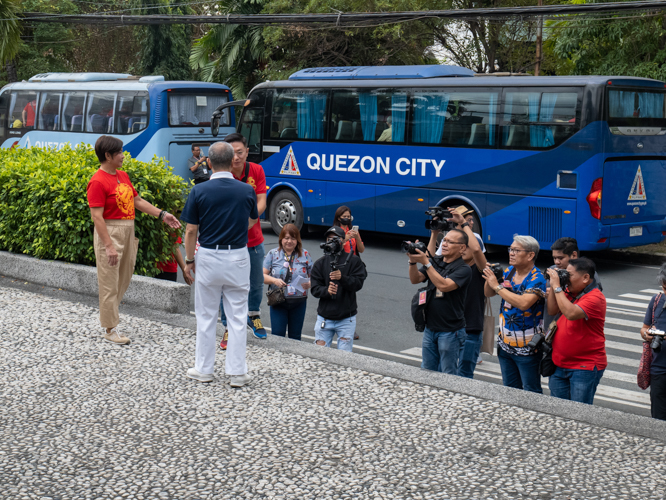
x: 655, y: 317
x: 523, y: 293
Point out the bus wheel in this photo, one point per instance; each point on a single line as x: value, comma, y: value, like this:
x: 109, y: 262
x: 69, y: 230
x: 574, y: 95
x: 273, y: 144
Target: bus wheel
x: 285, y: 209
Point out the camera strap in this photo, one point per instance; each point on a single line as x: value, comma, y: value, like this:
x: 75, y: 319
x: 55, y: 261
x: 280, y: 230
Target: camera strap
x: 247, y: 172
x: 654, y: 307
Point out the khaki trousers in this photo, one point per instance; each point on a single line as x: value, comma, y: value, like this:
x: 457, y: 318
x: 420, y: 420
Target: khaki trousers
x: 114, y: 281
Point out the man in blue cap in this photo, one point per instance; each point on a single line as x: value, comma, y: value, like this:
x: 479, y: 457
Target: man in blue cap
x: 336, y: 277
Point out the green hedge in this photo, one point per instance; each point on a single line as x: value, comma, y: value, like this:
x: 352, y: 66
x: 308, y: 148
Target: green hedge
x: 44, y: 210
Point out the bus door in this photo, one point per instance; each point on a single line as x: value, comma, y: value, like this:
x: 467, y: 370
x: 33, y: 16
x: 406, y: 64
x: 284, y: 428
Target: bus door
x: 4, y: 102
x: 401, y: 211
x: 250, y: 127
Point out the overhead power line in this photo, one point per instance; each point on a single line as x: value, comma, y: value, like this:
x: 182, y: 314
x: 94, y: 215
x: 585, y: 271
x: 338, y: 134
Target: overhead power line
x: 349, y: 19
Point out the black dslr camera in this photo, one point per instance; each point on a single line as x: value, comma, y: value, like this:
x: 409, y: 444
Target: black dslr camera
x: 538, y: 342
x: 497, y: 271
x: 658, y: 339
x: 564, y: 276
x: 334, y: 246
x: 409, y: 247
x: 439, y: 220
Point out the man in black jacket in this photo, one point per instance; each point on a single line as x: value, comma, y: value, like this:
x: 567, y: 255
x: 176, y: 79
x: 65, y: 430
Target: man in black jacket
x: 336, y: 291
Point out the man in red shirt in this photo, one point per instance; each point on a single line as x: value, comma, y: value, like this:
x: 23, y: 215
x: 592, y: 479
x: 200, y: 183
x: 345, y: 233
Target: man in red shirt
x: 28, y: 114
x: 579, y: 344
x: 252, y: 174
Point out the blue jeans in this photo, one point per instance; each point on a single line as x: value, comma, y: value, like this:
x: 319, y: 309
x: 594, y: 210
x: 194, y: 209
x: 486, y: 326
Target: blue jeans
x: 291, y: 315
x: 325, y: 329
x: 256, y: 282
x: 576, y: 385
x: 520, y: 372
x: 441, y: 351
x: 470, y: 354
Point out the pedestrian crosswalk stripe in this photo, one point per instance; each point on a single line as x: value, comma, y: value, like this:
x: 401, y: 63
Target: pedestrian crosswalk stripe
x: 636, y: 296
x: 621, y: 360
x: 611, y: 344
x: 624, y: 322
x: 625, y: 303
x: 635, y: 336
x: 625, y: 312
x: 652, y: 290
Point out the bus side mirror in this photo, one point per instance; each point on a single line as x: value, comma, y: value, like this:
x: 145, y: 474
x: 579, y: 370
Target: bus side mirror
x: 215, y: 126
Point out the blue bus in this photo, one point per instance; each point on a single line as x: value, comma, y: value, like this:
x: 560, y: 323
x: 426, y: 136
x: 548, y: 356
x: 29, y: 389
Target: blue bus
x: 530, y: 155
x: 151, y: 116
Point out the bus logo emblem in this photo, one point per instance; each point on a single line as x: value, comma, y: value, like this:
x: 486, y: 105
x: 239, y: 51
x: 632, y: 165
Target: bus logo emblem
x: 290, y: 167
x: 638, y: 187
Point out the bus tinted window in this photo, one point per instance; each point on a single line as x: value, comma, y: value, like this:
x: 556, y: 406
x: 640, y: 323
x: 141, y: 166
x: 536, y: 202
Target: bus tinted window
x: 250, y: 128
x: 195, y: 110
x: 538, y: 120
x: 454, y: 118
x: 72, y: 111
x: 633, y: 104
x: 22, y: 109
x: 368, y: 116
x: 299, y: 114
x: 131, y: 112
x: 99, y: 115
x: 49, y: 111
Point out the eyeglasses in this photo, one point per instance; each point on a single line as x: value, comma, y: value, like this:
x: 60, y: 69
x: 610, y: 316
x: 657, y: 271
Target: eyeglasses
x: 449, y: 242
x: 516, y: 250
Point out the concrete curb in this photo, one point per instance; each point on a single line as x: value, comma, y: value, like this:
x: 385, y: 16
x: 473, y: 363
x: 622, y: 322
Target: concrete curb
x: 649, y: 259
x: 592, y: 415
x: 144, y: 292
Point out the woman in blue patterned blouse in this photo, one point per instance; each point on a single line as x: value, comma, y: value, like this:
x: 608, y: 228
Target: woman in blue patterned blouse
x: 289, y: 266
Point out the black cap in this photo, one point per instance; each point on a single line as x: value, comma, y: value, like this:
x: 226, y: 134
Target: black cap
x: 336, y: 230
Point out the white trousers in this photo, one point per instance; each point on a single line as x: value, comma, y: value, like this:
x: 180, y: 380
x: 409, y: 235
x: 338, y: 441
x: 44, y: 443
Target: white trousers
x: 218, y: 272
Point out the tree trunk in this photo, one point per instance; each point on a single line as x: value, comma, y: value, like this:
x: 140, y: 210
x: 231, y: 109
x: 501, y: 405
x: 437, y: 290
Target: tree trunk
x: 10, y: 67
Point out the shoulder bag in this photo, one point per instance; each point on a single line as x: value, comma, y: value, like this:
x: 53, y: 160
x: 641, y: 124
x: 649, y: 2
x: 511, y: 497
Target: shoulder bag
x: 489, y: 334
x: 643, y: 377
x: 275, y: 294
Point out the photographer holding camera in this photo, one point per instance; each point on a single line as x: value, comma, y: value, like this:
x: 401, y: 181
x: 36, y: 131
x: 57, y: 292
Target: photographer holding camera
x: 444, y: 335
x: 474, y: 304
x: 655, y: 322
x: 335, y: 279
x: 522, y: 291
x: 579, y: 344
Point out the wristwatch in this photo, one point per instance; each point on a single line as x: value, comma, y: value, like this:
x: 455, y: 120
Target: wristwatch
x: 188, y: 261
x: 464, y: 224
x: 428, y: 265
x: 557, y: 289
x: 498, y: 288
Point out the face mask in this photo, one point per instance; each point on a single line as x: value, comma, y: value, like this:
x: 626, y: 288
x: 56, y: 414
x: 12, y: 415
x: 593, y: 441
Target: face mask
x: 345, y: 222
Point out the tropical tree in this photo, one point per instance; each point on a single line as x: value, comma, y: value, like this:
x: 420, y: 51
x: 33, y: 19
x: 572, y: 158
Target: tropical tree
x: 229, y: 53
x: 165, y: 48
x: 633, y: 45
x: 10, y: 34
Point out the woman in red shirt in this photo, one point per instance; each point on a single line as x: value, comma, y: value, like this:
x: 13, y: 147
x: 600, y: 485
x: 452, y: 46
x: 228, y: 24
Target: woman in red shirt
x: 112, y: 200
x: 353, y: 243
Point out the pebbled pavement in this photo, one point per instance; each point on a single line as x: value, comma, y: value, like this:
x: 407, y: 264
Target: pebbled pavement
x: 81, y: 418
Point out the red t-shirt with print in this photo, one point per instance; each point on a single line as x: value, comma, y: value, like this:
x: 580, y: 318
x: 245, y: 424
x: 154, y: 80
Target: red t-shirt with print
x: 171, y: 266
x: 113, y: 192
x: 257, y: 179
x: 581, y: 344
x: 350, y: 246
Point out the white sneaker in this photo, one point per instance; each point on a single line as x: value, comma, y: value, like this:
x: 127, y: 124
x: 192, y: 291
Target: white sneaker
x: 240, y: 380
x: 200, y: 377
x: 116, y: 338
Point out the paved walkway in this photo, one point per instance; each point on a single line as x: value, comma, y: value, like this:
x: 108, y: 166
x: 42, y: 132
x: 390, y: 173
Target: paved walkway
x: 81, y: 418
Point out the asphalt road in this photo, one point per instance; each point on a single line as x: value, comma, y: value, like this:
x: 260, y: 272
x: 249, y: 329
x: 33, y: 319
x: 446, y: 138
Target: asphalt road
x: 386, y: 329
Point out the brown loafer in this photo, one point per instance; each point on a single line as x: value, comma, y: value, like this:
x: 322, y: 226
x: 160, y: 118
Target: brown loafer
x: 356, y: 336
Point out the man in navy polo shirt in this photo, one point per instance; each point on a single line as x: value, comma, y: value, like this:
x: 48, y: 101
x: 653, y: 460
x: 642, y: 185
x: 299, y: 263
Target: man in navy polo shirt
x: 219, y: 211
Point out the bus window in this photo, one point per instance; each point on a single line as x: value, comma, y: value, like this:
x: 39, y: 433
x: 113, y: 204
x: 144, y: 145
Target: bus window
x: 131, y: 112
x: 23, y: 110
x: 368, y: 116
x: 454, y: 118
x: 538, y: 120
x: 99, y: 114
x: 72, y: 111
x: 49, y: 111
x: 195, y: 110
x: 250, y: 128
x: 635, y: 108
x: 299, y: 114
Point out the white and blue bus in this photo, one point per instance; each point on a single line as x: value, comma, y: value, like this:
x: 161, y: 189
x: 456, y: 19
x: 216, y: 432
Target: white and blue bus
x: 151, y: 116
x: 530, y: 155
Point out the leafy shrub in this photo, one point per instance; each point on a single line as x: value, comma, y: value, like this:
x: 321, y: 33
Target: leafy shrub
x: 44, y: 210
